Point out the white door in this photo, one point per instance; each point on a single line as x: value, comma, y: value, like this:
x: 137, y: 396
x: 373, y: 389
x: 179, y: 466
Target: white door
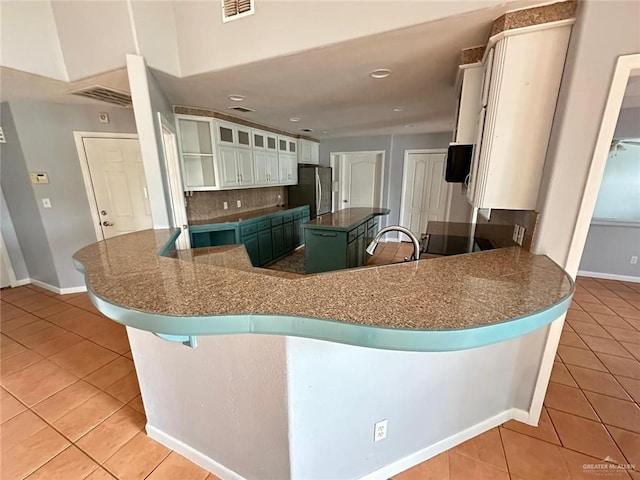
x: 424, y: 191
x: 261, y: 168
x: 119, y: 185
x: 245, y: 166
x: 360, y: 180
x: 228, y: 168
x: 272, y: 167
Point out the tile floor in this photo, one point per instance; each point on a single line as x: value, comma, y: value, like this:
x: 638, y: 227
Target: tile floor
x: 591, y: 408
x: 70, y: 405
x: 71, y: 408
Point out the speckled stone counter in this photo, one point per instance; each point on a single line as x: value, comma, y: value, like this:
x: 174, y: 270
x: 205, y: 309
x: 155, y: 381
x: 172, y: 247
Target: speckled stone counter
x: 240, y: 217
x: 345, y: 219
x: 217, y: 291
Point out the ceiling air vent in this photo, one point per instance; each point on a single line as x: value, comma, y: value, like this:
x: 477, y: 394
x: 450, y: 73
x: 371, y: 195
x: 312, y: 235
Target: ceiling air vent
x: 104, y: 94
x: 241, y: 109
x: 234, y: 9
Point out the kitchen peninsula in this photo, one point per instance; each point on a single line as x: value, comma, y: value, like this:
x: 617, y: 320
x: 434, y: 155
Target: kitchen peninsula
x: 455, y: 347
x: 337, y: 240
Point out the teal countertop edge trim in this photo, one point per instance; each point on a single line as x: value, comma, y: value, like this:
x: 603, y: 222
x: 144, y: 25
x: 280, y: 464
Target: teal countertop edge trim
x: 333, y: 331
x: 328, y: 330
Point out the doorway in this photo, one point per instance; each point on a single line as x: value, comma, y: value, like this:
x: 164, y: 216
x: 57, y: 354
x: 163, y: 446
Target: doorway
x: 425, y: 194
x: 115, y: 182
x: 358, y: 179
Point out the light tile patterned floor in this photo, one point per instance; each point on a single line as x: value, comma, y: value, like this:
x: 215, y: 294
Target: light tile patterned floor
x: 71, y: 408
x: 591, y: 408
x: 70, y: 405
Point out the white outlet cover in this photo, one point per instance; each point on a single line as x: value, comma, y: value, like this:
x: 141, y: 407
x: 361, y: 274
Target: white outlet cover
x: 46, y: 203
x: 380, y: 430
x: 225, y: 205
x: 239, y: 204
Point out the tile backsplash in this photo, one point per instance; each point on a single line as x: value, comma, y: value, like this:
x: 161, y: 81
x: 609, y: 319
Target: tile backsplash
x: 207, y: 205
x: 526, y: 218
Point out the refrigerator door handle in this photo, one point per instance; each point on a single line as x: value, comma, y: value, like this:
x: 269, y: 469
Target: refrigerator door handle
x: 319, y: 183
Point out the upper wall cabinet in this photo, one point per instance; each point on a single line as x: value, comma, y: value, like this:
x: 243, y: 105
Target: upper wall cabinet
x: 520, y: 85
x: 218, y: 155
x: 308, y: 152
x: 196, y: 154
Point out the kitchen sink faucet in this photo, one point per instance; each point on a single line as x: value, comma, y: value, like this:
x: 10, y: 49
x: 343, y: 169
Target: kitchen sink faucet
x: 396, y: 228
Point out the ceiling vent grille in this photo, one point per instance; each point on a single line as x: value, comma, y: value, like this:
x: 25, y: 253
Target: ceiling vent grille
x: 241, y: 109
x: 104, y: 94
x: 234, y: 9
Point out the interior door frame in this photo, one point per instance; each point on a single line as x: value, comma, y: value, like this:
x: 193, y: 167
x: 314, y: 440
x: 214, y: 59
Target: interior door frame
x: 335, y: 165
x: 175, y: 183
x: 86, y: 172
x: 404, y: 179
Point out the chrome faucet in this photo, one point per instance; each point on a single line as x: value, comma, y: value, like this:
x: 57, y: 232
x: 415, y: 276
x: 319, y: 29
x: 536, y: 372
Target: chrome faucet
x: 396, y: 228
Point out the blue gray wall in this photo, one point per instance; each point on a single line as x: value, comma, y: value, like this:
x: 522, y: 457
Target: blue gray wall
x: 11, y: 242
x: 40, y: 138
x: 394, y: 147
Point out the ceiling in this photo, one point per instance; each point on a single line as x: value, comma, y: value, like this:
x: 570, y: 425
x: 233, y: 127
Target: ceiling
x: 328, y: 88
x: 632, y: 93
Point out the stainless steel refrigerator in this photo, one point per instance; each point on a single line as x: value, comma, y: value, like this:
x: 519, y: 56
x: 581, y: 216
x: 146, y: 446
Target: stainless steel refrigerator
x: 313, y: 189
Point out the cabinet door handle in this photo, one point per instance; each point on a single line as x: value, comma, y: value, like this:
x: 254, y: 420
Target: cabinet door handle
x: 322, y: 234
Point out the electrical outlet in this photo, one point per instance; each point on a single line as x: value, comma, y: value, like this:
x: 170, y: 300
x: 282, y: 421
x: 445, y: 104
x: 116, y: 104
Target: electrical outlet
x: 633, y: 260
x: 516, y: 230
x: 520, y: 235
x: 225, y: 205
x: 380, y: 430
x: 46, y: 203
x: 239, y: 203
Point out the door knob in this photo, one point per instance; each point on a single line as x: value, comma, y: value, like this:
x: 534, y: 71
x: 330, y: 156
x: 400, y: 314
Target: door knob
x: 103, y: 212
x: 107, y: 224
x: 345, y: 201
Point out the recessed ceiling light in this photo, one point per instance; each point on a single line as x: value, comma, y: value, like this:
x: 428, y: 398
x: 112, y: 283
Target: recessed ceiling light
x: 398, y: 109
x: 408, y: 125
x: 236, y: 98
x: 294, y: 119
x: 306, y: 129
x: 380, y: 73
x: 325, y: 132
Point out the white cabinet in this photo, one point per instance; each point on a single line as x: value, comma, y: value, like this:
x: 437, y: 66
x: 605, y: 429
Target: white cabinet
x: 522, y: 81
x: 219, y: 155
x: 236, y: 166
x: 469, y: 104
x: 308, y: 152
x: 288, y: 167
x: 196, y: 153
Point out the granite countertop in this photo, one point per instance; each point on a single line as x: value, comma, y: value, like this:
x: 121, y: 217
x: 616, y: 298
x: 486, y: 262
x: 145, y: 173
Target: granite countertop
x: 195, y: 289
x: 241, y: 217
x: 345, y: 219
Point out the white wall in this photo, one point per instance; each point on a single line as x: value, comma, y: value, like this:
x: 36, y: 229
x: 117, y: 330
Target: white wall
x: 227, y: 398
x: 95, y: 36
x: 148, y: 101
x: 29, y: 39
x: 338, y: 392
x: 628, y: 125
x: 619, y: 195
x: 604, y: 31
x: 281, y: 27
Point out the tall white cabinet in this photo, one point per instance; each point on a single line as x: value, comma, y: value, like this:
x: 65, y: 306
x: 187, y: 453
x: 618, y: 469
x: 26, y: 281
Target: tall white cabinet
x: 520, y: 83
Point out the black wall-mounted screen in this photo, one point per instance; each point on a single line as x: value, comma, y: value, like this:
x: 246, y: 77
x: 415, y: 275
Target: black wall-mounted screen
x: 458, y: 163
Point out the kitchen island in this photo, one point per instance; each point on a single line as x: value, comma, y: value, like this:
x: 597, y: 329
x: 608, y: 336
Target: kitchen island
x: 338, y: 240
x: 290, y: 373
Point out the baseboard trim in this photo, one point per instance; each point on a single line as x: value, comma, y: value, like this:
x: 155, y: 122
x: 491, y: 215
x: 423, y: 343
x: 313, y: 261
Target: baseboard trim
x: 192, y: 454
x: 58, y: 290
x: 21, y: 282
x: 609, y: 276
x: 431, y: 451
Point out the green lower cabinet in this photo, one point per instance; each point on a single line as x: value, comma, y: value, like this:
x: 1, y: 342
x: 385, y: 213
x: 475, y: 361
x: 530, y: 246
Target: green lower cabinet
x: 362, y: 260
x: 265, y: 246
x: 297, y: 233
x: 251, y: 244
x: 352, y: 254
x: 325, y: 250
x: 289, y: 243
x: 277, y: 237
